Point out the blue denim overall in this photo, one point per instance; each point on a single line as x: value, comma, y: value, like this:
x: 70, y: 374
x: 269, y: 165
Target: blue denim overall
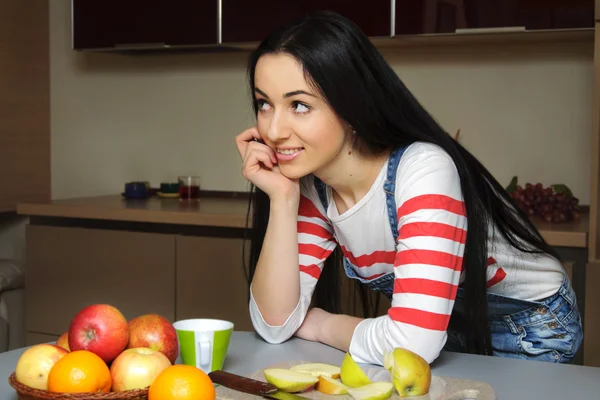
x: 544, y: 330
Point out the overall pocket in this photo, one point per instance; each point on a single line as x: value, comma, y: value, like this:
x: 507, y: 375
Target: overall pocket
x: 548, y: 336
x: 551, y: 332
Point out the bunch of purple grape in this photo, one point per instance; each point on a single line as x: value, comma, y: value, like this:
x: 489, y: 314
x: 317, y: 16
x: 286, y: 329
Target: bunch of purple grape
x: 554, y: 204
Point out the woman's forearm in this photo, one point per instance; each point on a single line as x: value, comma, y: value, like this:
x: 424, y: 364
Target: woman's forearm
x: 336, y: 330
x: 276, y: 281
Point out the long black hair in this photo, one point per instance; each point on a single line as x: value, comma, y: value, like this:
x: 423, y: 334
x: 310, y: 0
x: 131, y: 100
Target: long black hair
x: 346, y: 69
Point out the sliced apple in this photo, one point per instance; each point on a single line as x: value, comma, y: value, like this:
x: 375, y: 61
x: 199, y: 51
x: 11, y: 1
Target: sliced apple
x: 329, y: 385
x: 288, y: 380
x: 317, y: 369
x: 372, y: 391
x: 409, y: 372
x: 351, y: 373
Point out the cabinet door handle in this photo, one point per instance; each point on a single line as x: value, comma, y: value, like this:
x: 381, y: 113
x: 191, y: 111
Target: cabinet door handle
x: 148, y: 45
x: 499, y: 29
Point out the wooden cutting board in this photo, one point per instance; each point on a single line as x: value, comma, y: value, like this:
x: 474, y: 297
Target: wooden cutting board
x: 442, y: 388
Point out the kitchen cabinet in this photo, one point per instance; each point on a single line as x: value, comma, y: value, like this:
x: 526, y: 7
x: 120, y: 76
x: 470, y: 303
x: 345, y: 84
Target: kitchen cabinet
x: 101, y: 24
x: 24, y: 103
x: 162, y: 24
x: 174, y: 275
x: 69, y: 268
x: 450, y: 16
x: 246, y: 21
x: 211, y: 282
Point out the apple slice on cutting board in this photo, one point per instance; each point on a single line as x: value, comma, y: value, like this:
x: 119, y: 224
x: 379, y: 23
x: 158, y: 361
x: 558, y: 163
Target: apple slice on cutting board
x: 318, y: 369
x: 351, y: 373
x: 372, y: 391
x: 327, y: 385
x: 288, y: 380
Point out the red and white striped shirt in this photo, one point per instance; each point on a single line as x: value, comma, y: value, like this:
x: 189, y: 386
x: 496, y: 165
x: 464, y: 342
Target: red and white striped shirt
x: 427, y: 262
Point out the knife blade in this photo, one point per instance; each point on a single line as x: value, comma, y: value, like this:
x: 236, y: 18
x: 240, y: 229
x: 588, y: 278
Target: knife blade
x: 251, y: 386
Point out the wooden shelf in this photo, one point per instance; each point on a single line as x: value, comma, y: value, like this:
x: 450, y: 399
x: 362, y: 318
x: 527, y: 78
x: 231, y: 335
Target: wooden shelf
x: 568, y: 234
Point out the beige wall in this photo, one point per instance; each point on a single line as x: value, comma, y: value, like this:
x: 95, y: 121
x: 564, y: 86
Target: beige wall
x: 116, y: 118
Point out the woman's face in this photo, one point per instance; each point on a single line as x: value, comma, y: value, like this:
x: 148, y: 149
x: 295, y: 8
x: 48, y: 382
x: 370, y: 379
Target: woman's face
x: 305, y: 133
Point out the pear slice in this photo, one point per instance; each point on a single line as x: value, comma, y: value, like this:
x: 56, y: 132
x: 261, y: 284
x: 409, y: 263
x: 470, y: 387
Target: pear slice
x: 351, y: 373
x: 289, y: 381
x: 372, y: 391
x: 317, y: 369
x: 329, y: 385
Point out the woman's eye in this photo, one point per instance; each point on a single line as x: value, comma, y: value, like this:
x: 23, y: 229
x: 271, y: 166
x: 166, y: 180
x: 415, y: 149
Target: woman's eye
x: 262, y: 105
x: 300, y: 108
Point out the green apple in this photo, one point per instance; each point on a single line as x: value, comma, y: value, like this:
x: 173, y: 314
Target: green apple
x: 288, y: 380
x: 329, y: 385
x: 372, y: 391
x: 351, y: 374
x: 409, y: 372
x: 317, y: 369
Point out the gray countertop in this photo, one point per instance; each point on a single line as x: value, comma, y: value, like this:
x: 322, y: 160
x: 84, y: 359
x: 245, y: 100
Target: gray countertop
x: 511, y: 379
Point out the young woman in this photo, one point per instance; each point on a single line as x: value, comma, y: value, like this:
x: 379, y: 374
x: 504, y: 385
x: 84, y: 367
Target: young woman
x: 346, y: 162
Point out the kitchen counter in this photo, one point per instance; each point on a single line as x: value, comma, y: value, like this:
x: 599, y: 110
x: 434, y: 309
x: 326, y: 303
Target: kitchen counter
x: 221, y: 211
x: 227, y: 211
x: 509, y: 378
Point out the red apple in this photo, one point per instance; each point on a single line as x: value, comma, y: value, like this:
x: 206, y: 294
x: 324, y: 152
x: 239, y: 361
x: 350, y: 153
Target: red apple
x: 101, y: 329
x: 35, y: 364
x: 155, y: 332
x: 63, y: 341
x: 137, y: 368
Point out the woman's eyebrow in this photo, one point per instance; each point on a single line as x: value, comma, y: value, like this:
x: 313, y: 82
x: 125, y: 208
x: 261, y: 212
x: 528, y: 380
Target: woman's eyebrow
x: 260, y: 92
x: 285, y: 96
x: 295, y: 92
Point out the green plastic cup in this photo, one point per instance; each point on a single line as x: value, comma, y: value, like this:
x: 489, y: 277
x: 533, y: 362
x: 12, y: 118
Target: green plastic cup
x: 203, y: 343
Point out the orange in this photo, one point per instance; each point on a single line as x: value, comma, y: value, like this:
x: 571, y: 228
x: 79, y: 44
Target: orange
x: 182, y: 382
x: 80, y: 371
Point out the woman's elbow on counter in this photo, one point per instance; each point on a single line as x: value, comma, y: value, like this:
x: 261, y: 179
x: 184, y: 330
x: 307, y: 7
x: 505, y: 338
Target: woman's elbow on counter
x: 272, y: 334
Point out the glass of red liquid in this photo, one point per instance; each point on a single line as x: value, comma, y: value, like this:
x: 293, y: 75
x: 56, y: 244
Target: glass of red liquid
x: 189, y: 187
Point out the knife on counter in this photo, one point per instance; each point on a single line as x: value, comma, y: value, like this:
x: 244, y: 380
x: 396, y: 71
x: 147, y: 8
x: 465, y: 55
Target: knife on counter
x: 251, y: 386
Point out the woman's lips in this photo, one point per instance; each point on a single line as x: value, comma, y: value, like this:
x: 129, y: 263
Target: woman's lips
x: 288, y: 156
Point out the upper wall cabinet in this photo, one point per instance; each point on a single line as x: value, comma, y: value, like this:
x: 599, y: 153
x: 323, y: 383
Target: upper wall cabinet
x: 250, y: 21
x: 451, y: 16
x: 115, y: 24
x: 163, y: 24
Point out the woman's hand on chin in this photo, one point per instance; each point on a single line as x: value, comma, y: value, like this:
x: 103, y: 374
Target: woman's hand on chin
x: 260, y: 167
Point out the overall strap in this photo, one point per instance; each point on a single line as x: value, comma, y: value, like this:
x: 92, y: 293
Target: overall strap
x: 389, y: 187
